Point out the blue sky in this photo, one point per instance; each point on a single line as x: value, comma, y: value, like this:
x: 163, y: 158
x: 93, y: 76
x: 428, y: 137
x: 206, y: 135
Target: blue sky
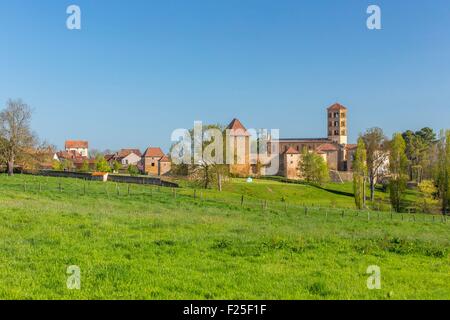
x: 139, y: 69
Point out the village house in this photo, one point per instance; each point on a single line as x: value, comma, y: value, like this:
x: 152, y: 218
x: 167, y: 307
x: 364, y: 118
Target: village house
x: 125, y: 157
x: 155, y: 162
x: 78, y: 146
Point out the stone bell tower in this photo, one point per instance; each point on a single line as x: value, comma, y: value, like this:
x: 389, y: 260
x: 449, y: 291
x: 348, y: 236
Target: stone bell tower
x: 337, y: 123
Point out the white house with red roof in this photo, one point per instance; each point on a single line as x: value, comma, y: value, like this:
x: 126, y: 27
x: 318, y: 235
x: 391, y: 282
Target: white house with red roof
x: 78, y: 146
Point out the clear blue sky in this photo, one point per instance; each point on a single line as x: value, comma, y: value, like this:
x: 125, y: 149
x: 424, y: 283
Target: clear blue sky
x: 139, y: 69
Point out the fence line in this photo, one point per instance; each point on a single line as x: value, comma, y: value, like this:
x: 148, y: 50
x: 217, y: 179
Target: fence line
x: 56, y: 187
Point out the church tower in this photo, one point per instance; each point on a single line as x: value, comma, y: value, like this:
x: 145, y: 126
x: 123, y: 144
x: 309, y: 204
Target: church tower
x: 337, y: 123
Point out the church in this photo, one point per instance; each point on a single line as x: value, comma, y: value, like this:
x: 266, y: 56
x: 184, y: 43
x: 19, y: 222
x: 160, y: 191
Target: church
x: 287, y: 151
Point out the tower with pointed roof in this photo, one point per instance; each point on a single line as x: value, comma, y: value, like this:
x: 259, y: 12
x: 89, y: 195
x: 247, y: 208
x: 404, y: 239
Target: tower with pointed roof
x: 238, y: 148
x: 337, y: 123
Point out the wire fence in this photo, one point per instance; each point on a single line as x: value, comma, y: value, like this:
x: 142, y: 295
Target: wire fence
x: 67, y: 187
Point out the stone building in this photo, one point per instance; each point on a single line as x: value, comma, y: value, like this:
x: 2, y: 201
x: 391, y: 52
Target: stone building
x: 334, y: 148
x: 155, y: 162
x: 238, y: 146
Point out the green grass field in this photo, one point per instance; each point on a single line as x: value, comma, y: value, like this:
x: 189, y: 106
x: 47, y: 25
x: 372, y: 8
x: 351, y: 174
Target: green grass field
x: 157, y: 244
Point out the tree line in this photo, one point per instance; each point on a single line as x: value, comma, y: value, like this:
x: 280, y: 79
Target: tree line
x: 419, y: 157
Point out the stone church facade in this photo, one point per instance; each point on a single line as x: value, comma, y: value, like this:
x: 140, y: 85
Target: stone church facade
x: 334, y: 148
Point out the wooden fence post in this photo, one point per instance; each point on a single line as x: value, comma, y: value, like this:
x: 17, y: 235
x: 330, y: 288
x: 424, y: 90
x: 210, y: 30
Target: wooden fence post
x: 242, y: 200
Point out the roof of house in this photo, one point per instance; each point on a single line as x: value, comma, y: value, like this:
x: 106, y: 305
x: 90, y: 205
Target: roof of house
x: 336, y: 107
x: 291, y: 150
x: 164, y: 159
x: 69, y: 155
x: 326, y: 147
x: 304, y: 140
x: 351, y: 146
x: 154, y: 152
x: 74, y: 144
x: 237, y: 129
x: 109, y: 157
x: 126, y: 152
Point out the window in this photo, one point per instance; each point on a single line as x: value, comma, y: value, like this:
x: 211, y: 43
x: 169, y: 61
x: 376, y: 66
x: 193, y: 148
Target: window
x: 343, y: 133
x: 336, y: 132
x: 330, y: 115
x: 292, y: 162
x: 342, y: 123
x: 336, y: 123
x: 153, y: 164
x: 343, y: 115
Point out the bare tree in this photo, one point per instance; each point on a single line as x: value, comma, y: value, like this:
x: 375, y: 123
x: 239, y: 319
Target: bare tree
x: 377, y: 156
x: 16, y: 136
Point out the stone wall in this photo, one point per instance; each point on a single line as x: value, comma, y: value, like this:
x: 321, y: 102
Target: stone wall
x: 111, y: 177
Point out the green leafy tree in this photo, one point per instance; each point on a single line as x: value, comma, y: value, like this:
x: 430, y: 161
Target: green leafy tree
x: 313, y: 168
x: 84, y: 166
x: 360, y: 174
x: 102, y: 165
x: 133, y: 170
x: 442, y: 171
x: 57, y: 166
x: 398, y: 164
x: 66, y: 165
x: 428, y: 192
x: 419, y: 147
x: 117, y: 166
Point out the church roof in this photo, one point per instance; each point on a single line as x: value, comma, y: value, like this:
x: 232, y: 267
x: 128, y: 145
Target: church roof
x: 153, y: 153
x: 291, y: 151
x: 326, y: 147
x: 237, y: 129
x: 336, y: 107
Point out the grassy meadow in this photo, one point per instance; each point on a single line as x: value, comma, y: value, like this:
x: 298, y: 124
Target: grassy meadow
x: 148, y: 242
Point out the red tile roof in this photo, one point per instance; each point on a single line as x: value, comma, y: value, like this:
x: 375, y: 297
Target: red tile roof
x: 326, y: 147
x: 69, y: 155
x: 126, y: 152
x: 154, y: 152
x: 351, y: 146
x: 237, y: 129
x: 109, y: 157
x: 164, y: 159
x: 291, y: 151
x: 74, y: 144
x: 336, y: 107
